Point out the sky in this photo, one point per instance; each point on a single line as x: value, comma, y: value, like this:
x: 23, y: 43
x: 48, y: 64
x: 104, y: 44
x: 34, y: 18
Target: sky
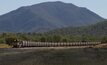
x: 97, y: 6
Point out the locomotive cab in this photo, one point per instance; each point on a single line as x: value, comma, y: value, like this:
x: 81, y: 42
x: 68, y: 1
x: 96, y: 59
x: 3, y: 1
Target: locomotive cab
x: 14, y: 42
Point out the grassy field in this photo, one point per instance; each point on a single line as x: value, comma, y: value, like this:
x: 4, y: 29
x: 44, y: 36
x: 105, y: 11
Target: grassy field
x: 51, y: 56
x: 4, y: 46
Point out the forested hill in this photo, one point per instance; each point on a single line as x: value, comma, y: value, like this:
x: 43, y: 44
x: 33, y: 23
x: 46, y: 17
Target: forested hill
x: 46, y: 16
x: 99, y: 29
x: 96, y: 32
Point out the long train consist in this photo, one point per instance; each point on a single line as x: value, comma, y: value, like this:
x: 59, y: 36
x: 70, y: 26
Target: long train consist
x: 51, y: 44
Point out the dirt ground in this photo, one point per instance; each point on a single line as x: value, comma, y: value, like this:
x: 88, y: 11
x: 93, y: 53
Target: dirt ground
x: 53, y: 56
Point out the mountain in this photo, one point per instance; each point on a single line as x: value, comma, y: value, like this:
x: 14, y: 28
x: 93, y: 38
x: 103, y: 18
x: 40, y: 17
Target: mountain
x: 47, y: 16
x: 98, y: 29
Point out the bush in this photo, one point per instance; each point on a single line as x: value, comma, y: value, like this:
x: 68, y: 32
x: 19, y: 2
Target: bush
x: 104, y: 40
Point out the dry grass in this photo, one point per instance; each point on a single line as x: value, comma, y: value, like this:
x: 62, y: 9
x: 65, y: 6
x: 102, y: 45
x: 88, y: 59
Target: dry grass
x: 101, y: 46
x: 4, y: 46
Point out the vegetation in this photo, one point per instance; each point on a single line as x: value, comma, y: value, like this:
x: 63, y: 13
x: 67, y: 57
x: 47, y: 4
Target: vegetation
x: 104, y: 40
x: 14, y: 37
x: 93, y: 33
x: 99, y: 29
x: 5, y: 46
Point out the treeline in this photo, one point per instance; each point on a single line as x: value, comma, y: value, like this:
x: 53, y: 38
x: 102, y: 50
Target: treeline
x: 99, y: 29
x: 52, y: 37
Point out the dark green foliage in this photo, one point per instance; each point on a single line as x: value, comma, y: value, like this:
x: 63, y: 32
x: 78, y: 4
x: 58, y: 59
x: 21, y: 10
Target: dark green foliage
x: 56, y: 38
x: 42, y: 39
x: 52, y: 37
x: 49, y: 38
x: 104, y: 39
x: 99, y: 29
x: 24, y: 37
x: 64, y: 40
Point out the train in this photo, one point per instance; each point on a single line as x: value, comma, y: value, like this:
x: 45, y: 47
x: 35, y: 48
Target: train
x: 22, y: 44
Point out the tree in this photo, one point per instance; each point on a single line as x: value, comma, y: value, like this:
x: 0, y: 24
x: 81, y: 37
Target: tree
x: 43, y: 39
x: 49, y: 38
x: 56, y: 38
x: 104, y: 39
x: 24, y: 37
x: 64, y: 40
x: 83, y: 39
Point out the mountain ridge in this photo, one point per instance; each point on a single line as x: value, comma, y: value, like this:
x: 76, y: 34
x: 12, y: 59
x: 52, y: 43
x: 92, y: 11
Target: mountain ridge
x: 98, y: 29
x: 46, y: 16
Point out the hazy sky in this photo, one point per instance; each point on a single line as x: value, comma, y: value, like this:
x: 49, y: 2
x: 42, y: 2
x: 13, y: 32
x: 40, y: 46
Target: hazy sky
x: 97, y: 6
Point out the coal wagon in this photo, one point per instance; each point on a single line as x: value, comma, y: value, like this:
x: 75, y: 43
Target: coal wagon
x: 53, y: 44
